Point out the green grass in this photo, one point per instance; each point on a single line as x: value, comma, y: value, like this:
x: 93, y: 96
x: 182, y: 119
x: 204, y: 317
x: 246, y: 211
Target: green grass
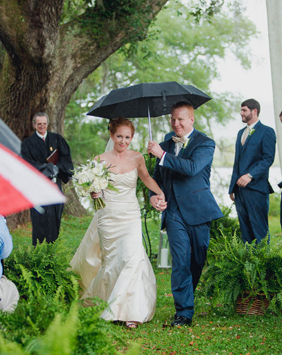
x: 213, y: 331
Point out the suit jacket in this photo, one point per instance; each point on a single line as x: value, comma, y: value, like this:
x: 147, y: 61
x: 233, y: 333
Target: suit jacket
x: 185, y: 179
x: 36, y: 151
x: 254, y: 157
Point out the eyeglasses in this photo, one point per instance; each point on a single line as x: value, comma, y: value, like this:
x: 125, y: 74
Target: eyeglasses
x: 41, y: 124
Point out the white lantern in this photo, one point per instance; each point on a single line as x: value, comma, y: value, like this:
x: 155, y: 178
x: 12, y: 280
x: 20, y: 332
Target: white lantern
x: 164, y: 256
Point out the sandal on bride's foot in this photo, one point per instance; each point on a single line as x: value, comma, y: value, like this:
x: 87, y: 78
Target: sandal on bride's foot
x: 131, y: 325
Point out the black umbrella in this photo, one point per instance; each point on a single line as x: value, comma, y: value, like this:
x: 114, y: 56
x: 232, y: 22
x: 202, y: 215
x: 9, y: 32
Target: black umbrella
x: 9, y: 139
x: 147, y: 99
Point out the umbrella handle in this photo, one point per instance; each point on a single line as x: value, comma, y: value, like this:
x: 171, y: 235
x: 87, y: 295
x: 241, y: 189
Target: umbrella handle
x: 150, y: 127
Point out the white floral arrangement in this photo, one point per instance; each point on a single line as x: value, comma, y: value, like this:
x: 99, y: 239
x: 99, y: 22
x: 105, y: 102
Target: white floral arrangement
x: 94, y: 176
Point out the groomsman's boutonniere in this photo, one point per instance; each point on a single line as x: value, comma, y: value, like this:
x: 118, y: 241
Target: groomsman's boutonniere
x: 252, y: 131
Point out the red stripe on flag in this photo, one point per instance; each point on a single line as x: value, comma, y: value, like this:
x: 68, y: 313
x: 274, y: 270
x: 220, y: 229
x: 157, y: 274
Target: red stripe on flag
x: 11, y: 200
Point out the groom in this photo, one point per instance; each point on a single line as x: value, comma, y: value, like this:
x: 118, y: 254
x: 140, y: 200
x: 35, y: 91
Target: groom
x: 183, y: 171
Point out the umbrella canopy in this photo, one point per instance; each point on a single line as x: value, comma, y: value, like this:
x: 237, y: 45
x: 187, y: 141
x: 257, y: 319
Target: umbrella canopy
x: 22, y: 186
x: 9, y: 139
x: 147, y: 99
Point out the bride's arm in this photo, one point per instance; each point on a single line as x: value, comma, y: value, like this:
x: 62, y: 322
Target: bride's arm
x: 147, y: 179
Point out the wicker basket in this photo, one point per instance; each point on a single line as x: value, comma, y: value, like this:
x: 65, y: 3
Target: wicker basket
x: 252, y: 305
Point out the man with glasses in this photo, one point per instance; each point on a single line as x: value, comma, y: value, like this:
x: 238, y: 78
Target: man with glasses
x: 49, y: 153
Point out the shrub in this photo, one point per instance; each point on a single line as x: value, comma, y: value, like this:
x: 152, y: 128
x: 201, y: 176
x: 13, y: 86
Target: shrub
x: 226, y: 225
x: 235, y: 267
x: 42, y: 270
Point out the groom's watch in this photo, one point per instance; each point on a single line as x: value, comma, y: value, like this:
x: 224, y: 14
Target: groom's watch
x: 250, y: 176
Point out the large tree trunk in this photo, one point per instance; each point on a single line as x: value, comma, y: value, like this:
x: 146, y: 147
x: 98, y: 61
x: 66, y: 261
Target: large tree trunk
x: 46, y: 60
x: 274, y: 19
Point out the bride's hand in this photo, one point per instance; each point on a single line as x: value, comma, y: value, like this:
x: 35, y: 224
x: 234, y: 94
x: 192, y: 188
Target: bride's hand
x: 95, y: 195
x: 158, y: 202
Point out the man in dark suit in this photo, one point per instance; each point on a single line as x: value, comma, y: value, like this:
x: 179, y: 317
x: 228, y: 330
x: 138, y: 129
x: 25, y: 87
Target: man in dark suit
x: 249, y: 186
x: 36, y: 149
x: 183, y: 172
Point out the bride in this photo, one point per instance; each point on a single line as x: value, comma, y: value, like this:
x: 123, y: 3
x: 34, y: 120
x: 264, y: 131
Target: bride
x: 111, y: 259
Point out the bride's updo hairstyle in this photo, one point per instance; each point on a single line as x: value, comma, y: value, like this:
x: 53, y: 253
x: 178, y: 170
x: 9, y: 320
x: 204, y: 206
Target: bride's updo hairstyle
x: 118, y: 122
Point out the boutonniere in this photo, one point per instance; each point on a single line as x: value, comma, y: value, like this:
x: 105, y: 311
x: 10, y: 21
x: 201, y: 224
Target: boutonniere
x: 51, y: 148
x: 186, y: 143
x: 252, y: 131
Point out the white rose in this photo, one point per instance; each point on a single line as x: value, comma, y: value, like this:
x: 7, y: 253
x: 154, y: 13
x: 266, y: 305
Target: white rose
x: 81, y: 191
x: 82, y: 177
x: 98, y: 170
x: 99, y: 184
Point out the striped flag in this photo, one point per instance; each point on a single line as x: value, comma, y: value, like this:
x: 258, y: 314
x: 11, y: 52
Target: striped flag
x: 22, y: 186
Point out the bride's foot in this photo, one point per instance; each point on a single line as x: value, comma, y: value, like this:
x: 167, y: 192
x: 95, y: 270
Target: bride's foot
x: 131, y: 325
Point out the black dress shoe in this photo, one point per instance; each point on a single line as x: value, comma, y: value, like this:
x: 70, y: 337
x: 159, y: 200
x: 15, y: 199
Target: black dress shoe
x: 181, y: 320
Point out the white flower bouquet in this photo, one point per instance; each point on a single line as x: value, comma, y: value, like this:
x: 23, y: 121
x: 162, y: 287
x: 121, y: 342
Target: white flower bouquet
x: 93, y: 177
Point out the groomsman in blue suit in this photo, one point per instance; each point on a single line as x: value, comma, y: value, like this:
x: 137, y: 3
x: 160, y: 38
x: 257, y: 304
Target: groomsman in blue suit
x: 249, y: 186
x: 182, y: 170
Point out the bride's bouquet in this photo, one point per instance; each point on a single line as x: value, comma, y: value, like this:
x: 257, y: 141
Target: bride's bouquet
x: 93, y: 177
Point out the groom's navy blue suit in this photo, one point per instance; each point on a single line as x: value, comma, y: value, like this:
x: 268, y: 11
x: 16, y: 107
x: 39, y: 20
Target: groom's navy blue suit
x: 252, y: 202
x: 190, y: 209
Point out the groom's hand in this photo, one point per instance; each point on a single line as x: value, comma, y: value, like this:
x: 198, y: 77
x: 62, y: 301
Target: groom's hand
x: 158, y: 202
x: 155, y: 149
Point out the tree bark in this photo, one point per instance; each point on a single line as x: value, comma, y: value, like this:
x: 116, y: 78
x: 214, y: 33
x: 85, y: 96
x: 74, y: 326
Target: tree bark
x: 46, y: 60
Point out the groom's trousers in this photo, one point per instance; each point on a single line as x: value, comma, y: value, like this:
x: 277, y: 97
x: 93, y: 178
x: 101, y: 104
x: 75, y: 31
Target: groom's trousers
x: 188, y: 246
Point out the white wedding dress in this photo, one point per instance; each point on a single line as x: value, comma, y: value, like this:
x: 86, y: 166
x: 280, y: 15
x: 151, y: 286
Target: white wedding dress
x: 111, y: 259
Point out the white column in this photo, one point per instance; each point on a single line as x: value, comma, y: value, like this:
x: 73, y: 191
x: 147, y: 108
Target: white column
x: 274, y: 20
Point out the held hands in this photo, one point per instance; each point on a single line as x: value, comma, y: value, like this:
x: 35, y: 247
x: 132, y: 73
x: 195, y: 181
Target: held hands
x: 158, y: 202
x: 243, y: 180
x: 155, y: 149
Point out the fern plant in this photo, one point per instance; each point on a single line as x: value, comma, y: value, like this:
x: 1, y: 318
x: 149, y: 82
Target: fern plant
x: 42, y: 270
x: 236, y: 268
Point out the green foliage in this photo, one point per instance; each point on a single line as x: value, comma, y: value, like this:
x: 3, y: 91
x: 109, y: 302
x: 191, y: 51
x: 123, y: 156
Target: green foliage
x: 60, y: 335
x: 39, y: 271
x: 274, y: 204
x: 93, y: 16
x: 235, y: 268
x: 212, y: 331
x: 226, y: 225
x: 47, y: 326
x: 94, y: 333
x: 176, y: 49
x: 86, y: 138
x: 32, y: 317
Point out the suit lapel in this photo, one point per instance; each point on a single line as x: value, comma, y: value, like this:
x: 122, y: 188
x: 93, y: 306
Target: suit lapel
x: 256, y: 127
x: 191, y: 144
